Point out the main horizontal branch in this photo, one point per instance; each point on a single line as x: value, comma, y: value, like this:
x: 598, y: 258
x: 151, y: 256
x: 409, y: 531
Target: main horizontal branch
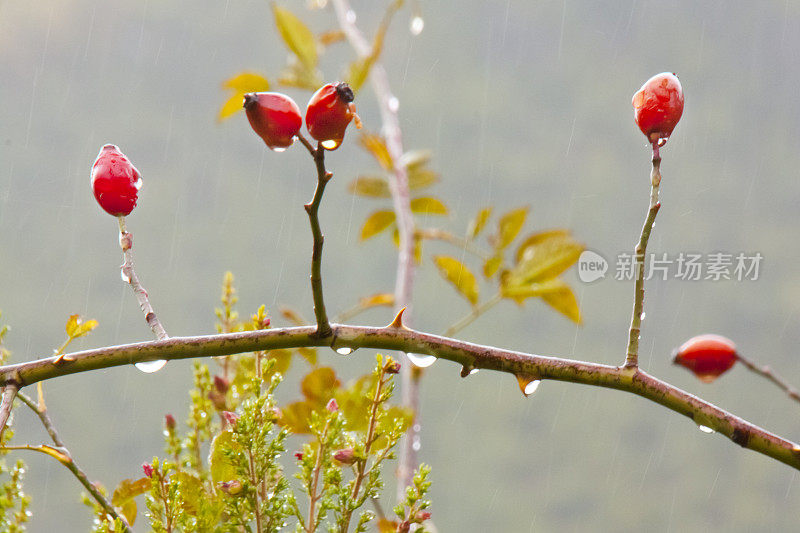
x: 397, y: 337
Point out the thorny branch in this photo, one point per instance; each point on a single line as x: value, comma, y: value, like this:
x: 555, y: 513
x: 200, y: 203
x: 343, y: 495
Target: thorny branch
x: 397, y: 337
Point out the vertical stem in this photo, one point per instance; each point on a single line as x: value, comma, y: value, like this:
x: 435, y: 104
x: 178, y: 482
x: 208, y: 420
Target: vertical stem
x: 312, y: 208
x: 632, y: 357
x: 126, y: 243
x: 9, y: 393
x: 254, y: 480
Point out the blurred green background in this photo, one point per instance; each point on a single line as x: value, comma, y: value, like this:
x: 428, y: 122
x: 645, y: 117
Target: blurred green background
x: 522, y: 103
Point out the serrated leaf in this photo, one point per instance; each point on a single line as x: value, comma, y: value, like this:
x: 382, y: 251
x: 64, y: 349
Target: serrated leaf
x: 509, y: 227
x: 247, y: 82
x: 296, y: 35
x: 546, y: 258
x: 376, y: 223
x: 372, y: 186
x: 376, y: 146
x: 309, y: 354
x: 376, y: 300
x: 220, y: 466
x: 428, y: 206
x: 491, y: 266
x: 320, y: 385
x: 419, y: 178
x: 459, y: 275
x: 479, y: 222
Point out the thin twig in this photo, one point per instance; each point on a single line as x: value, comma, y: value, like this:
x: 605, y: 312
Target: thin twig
x: 476, y: 312
x: 398, y: 186
x: 768, y: 373
x: 461, y: 242
x: 312, y: 208
x: 79, y: 474
x: 9, y: 393
x: 129, y: 275
x: 632, y: 356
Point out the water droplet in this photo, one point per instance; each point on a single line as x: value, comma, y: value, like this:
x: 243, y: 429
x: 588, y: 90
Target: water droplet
x: 416, y: 25
x: 416, y: 428
x: 473, y: 371
x: 351, y: 16
x: 394, y: 104
x: 416, y: 445
x: 331, y: 144
x: 124, y: 276
x: 643, y: 315
x: 531, y: 387
x: 705, y: 429
x: 421, y: 361
x: 138, y: 183
x: 148, y: 367
x: 344, y: 350
x: 278, y: 149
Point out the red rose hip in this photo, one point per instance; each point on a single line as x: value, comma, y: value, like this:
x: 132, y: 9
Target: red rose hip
x: 658, y: 106
x: 707, y: 356
x: 115, y: 181
x: 274, y: 117
x: 329, y: 112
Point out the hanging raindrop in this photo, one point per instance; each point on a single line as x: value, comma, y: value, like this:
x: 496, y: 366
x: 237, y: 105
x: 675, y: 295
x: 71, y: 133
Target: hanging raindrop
x: 705, y: 429
x: 148, y: 367
x: 421, y: 361
x: 344, y: 350
x: 416, y: 25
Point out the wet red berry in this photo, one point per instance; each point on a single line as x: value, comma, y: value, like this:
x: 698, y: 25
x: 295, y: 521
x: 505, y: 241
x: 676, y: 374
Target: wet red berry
x: 329, y: 112
x: 115, y: 181
x: 274, y: 117
x: 658, y: 106
x: 708, y: 356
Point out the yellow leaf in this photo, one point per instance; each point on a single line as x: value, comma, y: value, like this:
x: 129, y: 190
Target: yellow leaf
x: 309, y: 354
x: 459, y: 275
x: 375, y: 145
x: 529, y: 290
x: 376, y: 223
x: 564, y: 302
x: 419, y: 178
x: 296, y: 35
x: 372, y: 186
x: 479, y: 222
x: 293, y: 316
x: 232, y: 106
x: 358, y: 71
x: 331, y: 37
x: 76, y: 327
x: 320, y: 385
x: 546, y: 258
x: 491, y: 266
x: 86, y: 327
x: 125, y: 493
x: 428, y: 206
x: 72, y: 325
x: 510, y: 225
x: 220, y: 464
x: 296, y: 417
x: 299, y: 75
x: 247, y: 82
x: 376, y: 300
x: 415, y: 159
x: 536, y: 238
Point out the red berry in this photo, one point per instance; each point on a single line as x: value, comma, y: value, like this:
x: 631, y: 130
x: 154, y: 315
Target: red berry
x: 115, y: 181
x: 329, y: 112
x: 708, y: 356
x: 658, y: 106
x: 274, y: 117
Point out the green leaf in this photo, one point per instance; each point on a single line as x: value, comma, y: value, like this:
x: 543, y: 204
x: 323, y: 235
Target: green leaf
x: 376, y: 223
x: 492, y: 265
x: 376, y: 146
x: 220, y: 466
x: 320, y: 385
x: 372, y: 186
x: 479, y: 222
x: 509, y: 227
x: 545, y: 258
x: 296, y: 35
x: 459, y: 275
x: 428, y: 206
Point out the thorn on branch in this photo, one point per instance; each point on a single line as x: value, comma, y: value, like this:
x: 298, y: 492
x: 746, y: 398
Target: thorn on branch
x: 397, y: 323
